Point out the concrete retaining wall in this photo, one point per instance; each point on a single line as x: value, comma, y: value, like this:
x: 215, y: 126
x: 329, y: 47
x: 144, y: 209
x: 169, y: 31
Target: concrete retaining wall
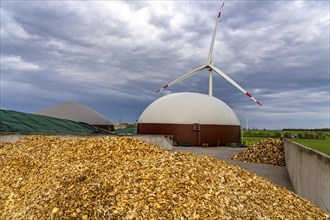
x: 165, y: 142
x: 309, y: 171
x: 162, y: 141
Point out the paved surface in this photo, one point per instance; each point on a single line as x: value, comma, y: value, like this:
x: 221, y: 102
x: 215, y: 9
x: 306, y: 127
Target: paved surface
x: 278, y: 175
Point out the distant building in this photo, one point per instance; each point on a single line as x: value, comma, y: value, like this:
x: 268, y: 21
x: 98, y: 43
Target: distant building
x: 120, y: 126
x: 79, y: 113
x: 294, y: 136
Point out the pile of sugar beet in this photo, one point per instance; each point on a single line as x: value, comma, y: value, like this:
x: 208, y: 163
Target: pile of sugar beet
x: 268, y: 151
x: 122, y: 178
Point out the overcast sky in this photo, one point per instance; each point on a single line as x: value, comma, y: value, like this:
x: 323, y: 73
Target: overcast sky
x: 113, y: 55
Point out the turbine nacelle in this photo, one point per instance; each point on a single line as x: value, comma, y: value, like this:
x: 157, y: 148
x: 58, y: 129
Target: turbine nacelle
x: 211, y: 68
x: 208, y: 67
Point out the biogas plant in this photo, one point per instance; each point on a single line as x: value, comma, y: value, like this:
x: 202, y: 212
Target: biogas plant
x: 67, y: 163
x: 192, y: 118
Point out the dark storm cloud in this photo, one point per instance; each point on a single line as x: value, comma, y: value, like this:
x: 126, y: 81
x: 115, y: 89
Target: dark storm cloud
x: 113, y: 56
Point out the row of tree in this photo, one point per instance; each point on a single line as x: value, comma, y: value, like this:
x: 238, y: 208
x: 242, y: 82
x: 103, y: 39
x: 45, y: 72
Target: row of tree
x: 304, y: 129
x: 303, y: 135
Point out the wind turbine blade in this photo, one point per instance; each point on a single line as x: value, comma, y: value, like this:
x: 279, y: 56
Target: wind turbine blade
x: 222, y: 74
x: 183, y: 77
x: 209, y: 60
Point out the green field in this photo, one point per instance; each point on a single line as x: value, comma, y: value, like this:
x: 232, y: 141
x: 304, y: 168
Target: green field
x: 319, y: 145
x: 323, y: 144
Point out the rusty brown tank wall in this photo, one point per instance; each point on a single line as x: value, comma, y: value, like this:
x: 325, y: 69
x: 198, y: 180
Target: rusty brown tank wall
x: 213, y: 135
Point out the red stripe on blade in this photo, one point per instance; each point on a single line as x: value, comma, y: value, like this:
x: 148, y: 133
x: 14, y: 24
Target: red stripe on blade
x: 248, y: 94
x: 222, y: 4
x: 259, y: 103
x: 219, y: 14
x: 165, y: 86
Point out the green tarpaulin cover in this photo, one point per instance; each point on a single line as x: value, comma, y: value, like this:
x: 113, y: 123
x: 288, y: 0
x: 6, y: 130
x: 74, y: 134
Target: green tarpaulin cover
x: 20, y: 122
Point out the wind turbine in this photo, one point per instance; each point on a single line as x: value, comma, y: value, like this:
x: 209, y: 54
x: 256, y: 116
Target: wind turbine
x: 211, y: 68
x: 247, y: 123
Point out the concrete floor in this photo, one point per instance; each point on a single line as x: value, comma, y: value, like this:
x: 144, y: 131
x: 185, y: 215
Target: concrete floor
x: 278, y: 175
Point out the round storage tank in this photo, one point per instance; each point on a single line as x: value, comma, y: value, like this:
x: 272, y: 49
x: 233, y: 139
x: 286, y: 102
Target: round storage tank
x: 193, y: 119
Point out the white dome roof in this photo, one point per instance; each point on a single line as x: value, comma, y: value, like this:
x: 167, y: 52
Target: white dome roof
x: 76, y: 112
x: 189, y: 108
